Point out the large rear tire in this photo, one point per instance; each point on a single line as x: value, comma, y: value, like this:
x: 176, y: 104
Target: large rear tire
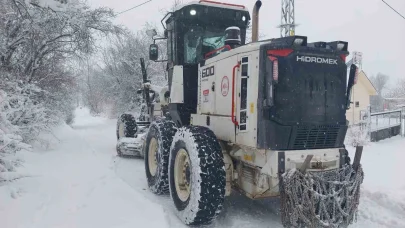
x: 126, y: 126
x: 197, y: 175
x: 156, y: 153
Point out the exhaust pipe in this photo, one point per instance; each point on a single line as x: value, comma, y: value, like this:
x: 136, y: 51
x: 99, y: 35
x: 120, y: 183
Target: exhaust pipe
x: 255, y: 21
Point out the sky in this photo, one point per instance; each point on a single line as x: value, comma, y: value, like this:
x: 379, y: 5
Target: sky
x: 369, y: 26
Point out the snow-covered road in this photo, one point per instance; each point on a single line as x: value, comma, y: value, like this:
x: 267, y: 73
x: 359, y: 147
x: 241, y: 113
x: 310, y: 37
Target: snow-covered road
x: 80, y: 182
x: 74, y: 184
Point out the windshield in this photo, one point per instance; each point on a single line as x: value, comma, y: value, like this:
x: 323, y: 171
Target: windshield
x: 199, y: 41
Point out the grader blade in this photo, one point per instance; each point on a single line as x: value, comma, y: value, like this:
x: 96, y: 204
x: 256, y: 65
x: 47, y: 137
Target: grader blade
x: 131, y: 146
x: 322, y: 198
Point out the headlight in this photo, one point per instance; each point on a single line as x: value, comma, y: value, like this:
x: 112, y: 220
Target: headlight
x: 193, y: 12
x: 298, y: 41
x: 340, y: 46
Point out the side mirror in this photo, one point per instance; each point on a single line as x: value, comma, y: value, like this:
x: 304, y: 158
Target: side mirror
x: 153, y: 52
x: 353, y: 75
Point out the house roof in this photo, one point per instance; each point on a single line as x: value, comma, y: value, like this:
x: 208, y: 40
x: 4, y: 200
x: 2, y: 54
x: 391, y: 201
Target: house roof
x: 367, y: 83
x: 369, y: 80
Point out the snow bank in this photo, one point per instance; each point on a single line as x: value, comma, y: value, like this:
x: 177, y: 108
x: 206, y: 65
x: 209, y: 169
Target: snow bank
x: 73, y: 184
x: 382, y: 162
x: 382, y: 202
x: 10, y: 145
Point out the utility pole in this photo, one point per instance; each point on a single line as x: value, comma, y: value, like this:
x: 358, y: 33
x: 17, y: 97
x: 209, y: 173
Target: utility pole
x: 287, y: 26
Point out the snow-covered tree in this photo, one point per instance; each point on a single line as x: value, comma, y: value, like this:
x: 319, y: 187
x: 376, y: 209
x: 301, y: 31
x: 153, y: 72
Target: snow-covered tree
x: 53, y: 4
x: 119, y: 76
x: 38, y: 79
x: 34, y: 36
x: 380, y: 82
x: 398, y: 91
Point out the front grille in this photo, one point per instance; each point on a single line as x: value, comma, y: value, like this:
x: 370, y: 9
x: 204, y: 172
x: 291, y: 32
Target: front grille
x: 248, y: 174
x: 316, y: 137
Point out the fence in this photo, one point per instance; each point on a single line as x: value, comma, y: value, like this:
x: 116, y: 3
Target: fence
x: 383, y: 125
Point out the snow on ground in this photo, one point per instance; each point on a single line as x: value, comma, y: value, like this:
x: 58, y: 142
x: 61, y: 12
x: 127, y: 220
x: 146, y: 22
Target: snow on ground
x: 80, y: 182
x: 383, y: 191
x: 74, y: 184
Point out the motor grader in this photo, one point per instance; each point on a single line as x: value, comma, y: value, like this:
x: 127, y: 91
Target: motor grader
x: 132, y: 128
x: 265, y: 118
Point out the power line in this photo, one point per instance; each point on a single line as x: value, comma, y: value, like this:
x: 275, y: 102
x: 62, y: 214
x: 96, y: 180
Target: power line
x: 394, y: 9
x: 132, y: 8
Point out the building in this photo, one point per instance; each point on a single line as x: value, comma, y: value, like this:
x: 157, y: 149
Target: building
x: 361, y: 95
x: 394, y: 103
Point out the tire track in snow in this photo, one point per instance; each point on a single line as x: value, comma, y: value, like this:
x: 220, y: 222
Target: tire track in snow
x: 138, y: 184
x: 238, y: 210
x: 104, y: 153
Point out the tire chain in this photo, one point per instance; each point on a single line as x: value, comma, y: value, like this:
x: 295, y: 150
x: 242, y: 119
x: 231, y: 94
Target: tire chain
x: 320, y: 199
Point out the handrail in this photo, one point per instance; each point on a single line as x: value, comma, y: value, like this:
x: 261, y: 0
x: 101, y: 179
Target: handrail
x: 169, y: 13
x: 385, y: 112
x: 233, y: 116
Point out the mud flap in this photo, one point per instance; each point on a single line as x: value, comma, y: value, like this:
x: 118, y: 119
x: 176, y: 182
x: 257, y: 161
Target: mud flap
x: 320, y: 199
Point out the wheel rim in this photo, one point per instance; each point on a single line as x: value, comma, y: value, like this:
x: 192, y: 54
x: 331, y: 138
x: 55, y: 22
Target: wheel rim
x: 152, y: 156
x: 121, y: 131
x: 182, y: 175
